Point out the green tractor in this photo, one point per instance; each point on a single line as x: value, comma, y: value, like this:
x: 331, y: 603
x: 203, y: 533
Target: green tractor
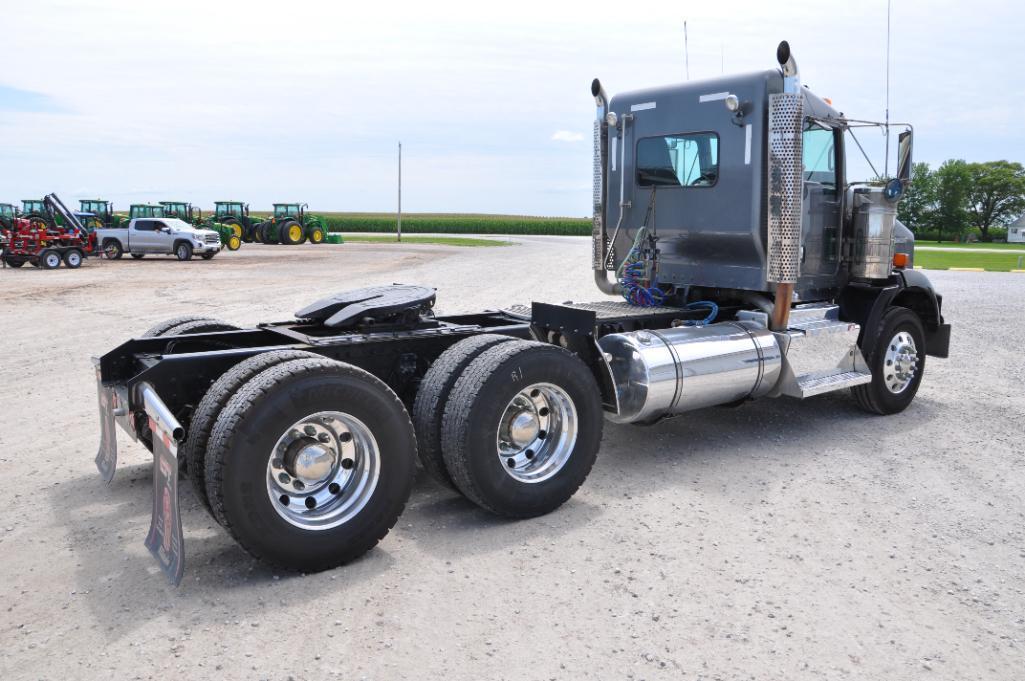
x: 236, y: 213
x: 146, y: 210
x: 7, y: 215
x: 101, y: 214
x: 34, y: 210
x: 231, y: 234
x: 291, y: 224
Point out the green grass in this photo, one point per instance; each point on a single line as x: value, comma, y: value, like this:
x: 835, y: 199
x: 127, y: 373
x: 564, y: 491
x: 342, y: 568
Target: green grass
x: 436, y: 240
x: 455, y: 223
x: 992, y: 262
x: 951, y: 244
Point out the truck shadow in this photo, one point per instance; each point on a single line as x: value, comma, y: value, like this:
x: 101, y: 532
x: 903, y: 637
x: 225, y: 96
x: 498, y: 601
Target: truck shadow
x: 106, y: 524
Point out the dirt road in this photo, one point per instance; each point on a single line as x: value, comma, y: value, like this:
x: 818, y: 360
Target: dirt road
x: 777, y: 540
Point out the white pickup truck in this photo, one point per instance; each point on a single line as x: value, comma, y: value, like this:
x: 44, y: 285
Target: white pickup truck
x: 158, y: 236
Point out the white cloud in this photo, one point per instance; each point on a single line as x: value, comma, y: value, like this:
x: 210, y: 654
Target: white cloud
x: 567, y: 136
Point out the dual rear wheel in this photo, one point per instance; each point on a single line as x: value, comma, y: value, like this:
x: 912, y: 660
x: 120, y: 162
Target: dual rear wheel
x: 308, y: 462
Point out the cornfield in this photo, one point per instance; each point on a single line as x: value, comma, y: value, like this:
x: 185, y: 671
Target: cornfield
x: 450, y: 223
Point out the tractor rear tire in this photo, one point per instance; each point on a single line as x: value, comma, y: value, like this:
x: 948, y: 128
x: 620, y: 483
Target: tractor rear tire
x: 138, y: 256
x: 432, y: 396
x: 113, y: 249
x: 167, y: 327
x: 266, y: 233
x: 193, y: 450
x: 73, y: 258
x: 291, y: 233
x: 522, y: 428
x: 49, y: 259
x: 183, y: 251
x: 263, y: 447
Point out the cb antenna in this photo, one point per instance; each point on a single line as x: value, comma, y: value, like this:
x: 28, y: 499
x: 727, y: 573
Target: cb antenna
x: 686, y: 49
x: 886, y: 160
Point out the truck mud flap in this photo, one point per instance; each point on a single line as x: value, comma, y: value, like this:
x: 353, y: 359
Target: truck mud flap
x: 106, y: 457
x: 165, y: 540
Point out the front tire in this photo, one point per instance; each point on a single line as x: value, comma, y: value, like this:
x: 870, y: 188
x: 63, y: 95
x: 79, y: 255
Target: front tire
x: 522, y: 428
x: 138, y: 256
x: 208, y: 256
x: 897, y: 363
x: 310, y: 463
x: 183, y: 251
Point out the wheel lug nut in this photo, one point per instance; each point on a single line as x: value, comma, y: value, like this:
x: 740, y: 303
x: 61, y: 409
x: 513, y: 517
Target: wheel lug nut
x: 309, y: 430
x: 298, y: 484
x: 284, y: 478
x: 324, y: 437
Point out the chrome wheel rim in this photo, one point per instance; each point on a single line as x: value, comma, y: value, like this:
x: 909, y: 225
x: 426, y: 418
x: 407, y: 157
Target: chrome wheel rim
x: 182, y: 252
x: 323, y: 470
x: 900, y: 364
x: 536, y: 433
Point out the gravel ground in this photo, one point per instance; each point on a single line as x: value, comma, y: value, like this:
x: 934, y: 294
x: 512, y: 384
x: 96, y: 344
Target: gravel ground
x: 772, y: 541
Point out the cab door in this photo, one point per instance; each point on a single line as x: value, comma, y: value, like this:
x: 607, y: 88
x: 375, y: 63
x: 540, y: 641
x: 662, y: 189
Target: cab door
x: 821, y: 205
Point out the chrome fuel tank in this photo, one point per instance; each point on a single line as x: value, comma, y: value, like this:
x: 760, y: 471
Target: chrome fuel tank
x: 671, y: 371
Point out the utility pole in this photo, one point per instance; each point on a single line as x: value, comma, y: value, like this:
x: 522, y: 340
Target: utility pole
x: 686, y: 49
x: 400, y: 195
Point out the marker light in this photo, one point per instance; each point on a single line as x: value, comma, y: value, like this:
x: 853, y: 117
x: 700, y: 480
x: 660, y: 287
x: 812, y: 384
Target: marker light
x: 611, y: 119
x: 732, y: 102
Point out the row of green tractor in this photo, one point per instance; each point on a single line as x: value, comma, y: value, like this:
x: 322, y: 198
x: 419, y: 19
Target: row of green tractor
x: 288, y: 224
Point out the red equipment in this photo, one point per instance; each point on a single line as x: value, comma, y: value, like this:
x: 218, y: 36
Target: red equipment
x: 26, y: 242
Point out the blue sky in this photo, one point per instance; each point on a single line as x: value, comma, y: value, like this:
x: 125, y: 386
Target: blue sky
x: 206, y: 100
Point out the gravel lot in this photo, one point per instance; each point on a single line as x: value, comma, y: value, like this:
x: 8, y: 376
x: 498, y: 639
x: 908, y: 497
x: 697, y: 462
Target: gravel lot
x: 772, y: 541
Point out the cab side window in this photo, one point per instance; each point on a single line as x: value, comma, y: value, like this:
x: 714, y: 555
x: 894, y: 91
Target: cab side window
x: 819, y: 155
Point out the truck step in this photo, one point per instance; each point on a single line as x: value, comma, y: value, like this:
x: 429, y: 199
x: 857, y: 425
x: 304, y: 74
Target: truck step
x: 809, y: 386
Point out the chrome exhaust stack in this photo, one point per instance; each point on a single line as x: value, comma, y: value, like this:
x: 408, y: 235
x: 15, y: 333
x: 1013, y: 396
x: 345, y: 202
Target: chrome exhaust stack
x: 785, y: 187
x: 599, y: 240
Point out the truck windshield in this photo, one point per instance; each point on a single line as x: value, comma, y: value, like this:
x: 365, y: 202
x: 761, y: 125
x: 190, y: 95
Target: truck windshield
x: 685, y: 160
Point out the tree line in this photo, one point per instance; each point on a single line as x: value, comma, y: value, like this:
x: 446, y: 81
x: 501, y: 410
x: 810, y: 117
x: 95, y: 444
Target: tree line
x: 960, y: 198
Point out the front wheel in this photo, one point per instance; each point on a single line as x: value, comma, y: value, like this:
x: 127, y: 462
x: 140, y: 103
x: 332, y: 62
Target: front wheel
x: 897, y: 362
x: 138, y: 256
x: 183, y: 251
x: 207, y: 256
x: 310, y: 463
x: 521, y: 428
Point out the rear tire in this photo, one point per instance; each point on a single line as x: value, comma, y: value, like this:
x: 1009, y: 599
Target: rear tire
x: 522, y: 428
x: 168, y: 326
x: 138, y: 256
x: 245, y: 467
x: 897, y: 363
x: 432, y: 396
x: 14, y: 262
x: 73, y: 258
x: 113, y: 249
x: 290, y: 233
x: 193, y: 450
